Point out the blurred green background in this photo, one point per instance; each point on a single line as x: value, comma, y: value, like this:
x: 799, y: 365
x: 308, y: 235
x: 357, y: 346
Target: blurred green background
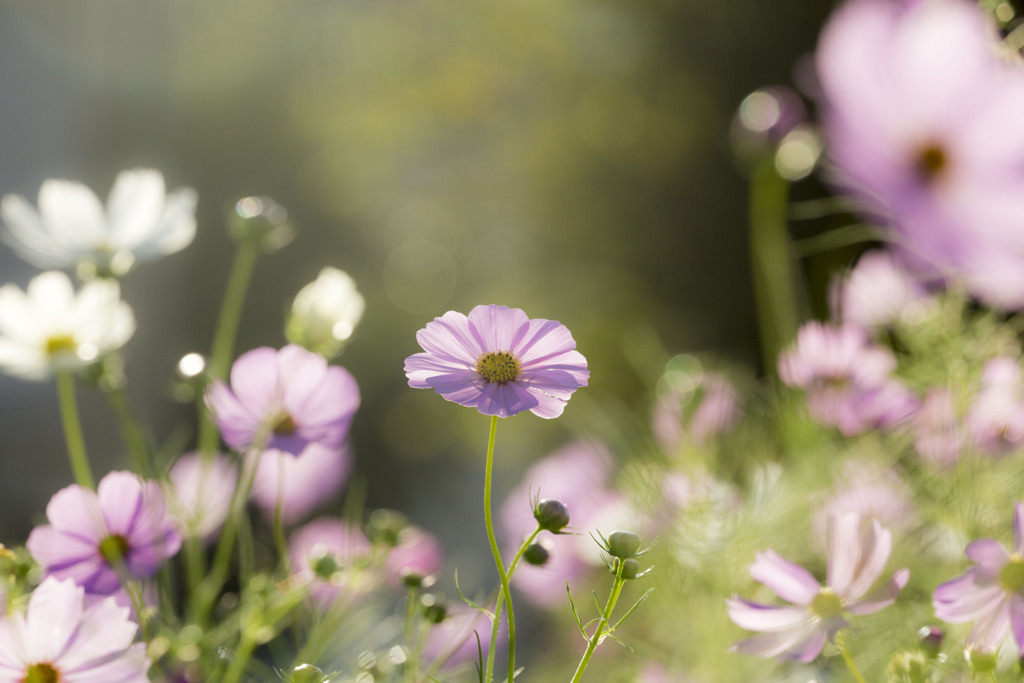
x: 567, y: 158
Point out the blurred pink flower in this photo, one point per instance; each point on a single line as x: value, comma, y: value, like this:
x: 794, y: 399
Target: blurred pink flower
x: 304, y: 483
x: 995, y: 418
x: 418, y: 552
x: 198, y: 493
x: 938, y: 435
x: 334, y: 556
x: 695, y: 413
x: 876, y: 291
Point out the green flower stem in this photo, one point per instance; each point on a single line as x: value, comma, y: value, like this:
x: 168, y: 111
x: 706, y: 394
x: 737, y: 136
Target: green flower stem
x: 73, y: 430
x: 772, y: 264
x: 606, y: 615
x: 280, y: 539
x: 845, y: 652
x: 131, y: 433
x: 206, y: 595
x: 497, y: 553
x: 499, y: 602
x: 412, y: 665
x: 242, y: 655
x: 227, y: 329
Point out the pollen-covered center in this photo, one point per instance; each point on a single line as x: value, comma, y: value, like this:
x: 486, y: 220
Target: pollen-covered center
x: 931, y: 162
x: 59, y: 344
x: 41, y: 673
x: 284, y: 425
x: 826, y: 604
x: 1011, y: 576
x: 113, y: 548
x: 499, y: 367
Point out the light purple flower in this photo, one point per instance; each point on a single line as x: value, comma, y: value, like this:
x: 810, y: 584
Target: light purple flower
x: 995, y: 418
x: 334, y: 556
x: 90, y: 531
x: 293, y: 393
x: 990, y: 593
x: 63, y: 638
x: 578, y: 476
x: 876, y: 291
x: 858, y: 552
x: 452, y: 642
x: 871, y: 491
x: 199, y: 491
x: 498, y: 361
x: 304, y: 483
x: 847, y: 379
x: 921, y: 118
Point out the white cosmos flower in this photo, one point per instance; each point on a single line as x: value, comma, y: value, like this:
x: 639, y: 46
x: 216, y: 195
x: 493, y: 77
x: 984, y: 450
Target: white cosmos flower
x: 50, y: 327
x: 325, y: 313
x: 73, y: 229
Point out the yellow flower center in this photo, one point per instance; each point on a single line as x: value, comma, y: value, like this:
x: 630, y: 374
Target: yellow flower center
x: 60, y: 344
x: 113, y: 549
x: 931, y: 161
x: 1011, y: 576
x: 284, y: 425
x: 500, y: 367
x: 42, y: 673
x: 826, y: 604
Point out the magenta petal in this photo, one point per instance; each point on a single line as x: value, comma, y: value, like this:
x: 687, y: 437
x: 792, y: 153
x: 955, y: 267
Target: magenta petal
x: 789, y: 581
x: 505, y: 400
x: 75, y: 511
x: 450, y: 339
x: 756, y: 617
x: 464, y: 388
x: 799, y: 643
x: 881, y: 597
x: 987, y: 553
x: 120, y: 496
x: 497, y: 328
x: 966, y: 597
x: 255, y: 376
x: 991, y: 628
x: 1018, y: 528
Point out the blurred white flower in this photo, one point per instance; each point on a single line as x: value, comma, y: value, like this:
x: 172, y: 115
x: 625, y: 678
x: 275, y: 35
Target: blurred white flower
x: 325, y: 313
x: 72, y: 229
x: 50, y: 327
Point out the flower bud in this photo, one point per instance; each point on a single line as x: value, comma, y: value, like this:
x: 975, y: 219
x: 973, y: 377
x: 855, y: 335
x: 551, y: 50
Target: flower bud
x: 623, y: 544
x: 980, y: 662
x: 907, y: 667
x: 325, y: 313
x: 551, y: 515
x: 306, y: 673
x: 324, y: 566
x: 260, y: 221
x: 434, y: 610
x: 630, y: 569
x: 537, y: 554
x: 930, y: 638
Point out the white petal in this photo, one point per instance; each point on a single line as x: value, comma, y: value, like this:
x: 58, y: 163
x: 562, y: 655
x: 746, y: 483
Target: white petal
x: 176, y: 227
x: 73, y: 215
x: 29, y: 237
x: 135, y: 206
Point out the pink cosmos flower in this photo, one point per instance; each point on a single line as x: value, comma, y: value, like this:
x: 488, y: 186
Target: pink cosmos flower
x: 199, y: 491
x: 921, y: 118
x: 938, y: 435
x: 91, y: 531
x: 696, y: 412
x: 990, y: 593
x: 847, y: 379
x: 418, y: 552
x: 498, y: 361
x: 876, y: 291
x: 858, y: 551
x: 304, y: 483
x: 292, y: 392
x: 65, y: 639
x: 334, y: 556
x: 995, y: 419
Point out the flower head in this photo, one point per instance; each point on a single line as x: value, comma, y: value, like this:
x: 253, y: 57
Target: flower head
x: 291, y: 393
x: 990, y: 593
x: 498, y: 361
x: 62, y: 638
x: 50, y: 327
x: 334, y: 556
x: 71, y: 228
x: 995, y: 419
x: 921, y: 118
x: 857, y: 554
x: 199, y: 493
x: 876, y: 291
x: 91, y: 532
x: 325, y: 313
x: 302, y: 484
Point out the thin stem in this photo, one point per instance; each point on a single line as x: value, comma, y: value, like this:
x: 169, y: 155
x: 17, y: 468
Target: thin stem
x: 412, y: 665
x: 606, y: 615
x: 845, y: 652
x: 488, y: 468
x: 499, y: 604
x: 772, y: 263
x: 279, y: 536
x: 243, y: 653
x: 130, y: 432
x: 73, y: 430
x: 226, y: 331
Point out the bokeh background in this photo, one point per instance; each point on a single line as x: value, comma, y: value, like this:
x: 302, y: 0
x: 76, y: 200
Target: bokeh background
x: 568, y: 158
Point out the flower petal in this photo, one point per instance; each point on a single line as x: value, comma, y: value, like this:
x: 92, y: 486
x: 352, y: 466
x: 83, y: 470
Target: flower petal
x: 756, y: 617
x: 789, y: 581
x: 73, y: 214
x: 881, y: 597
x: 134, y: 207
